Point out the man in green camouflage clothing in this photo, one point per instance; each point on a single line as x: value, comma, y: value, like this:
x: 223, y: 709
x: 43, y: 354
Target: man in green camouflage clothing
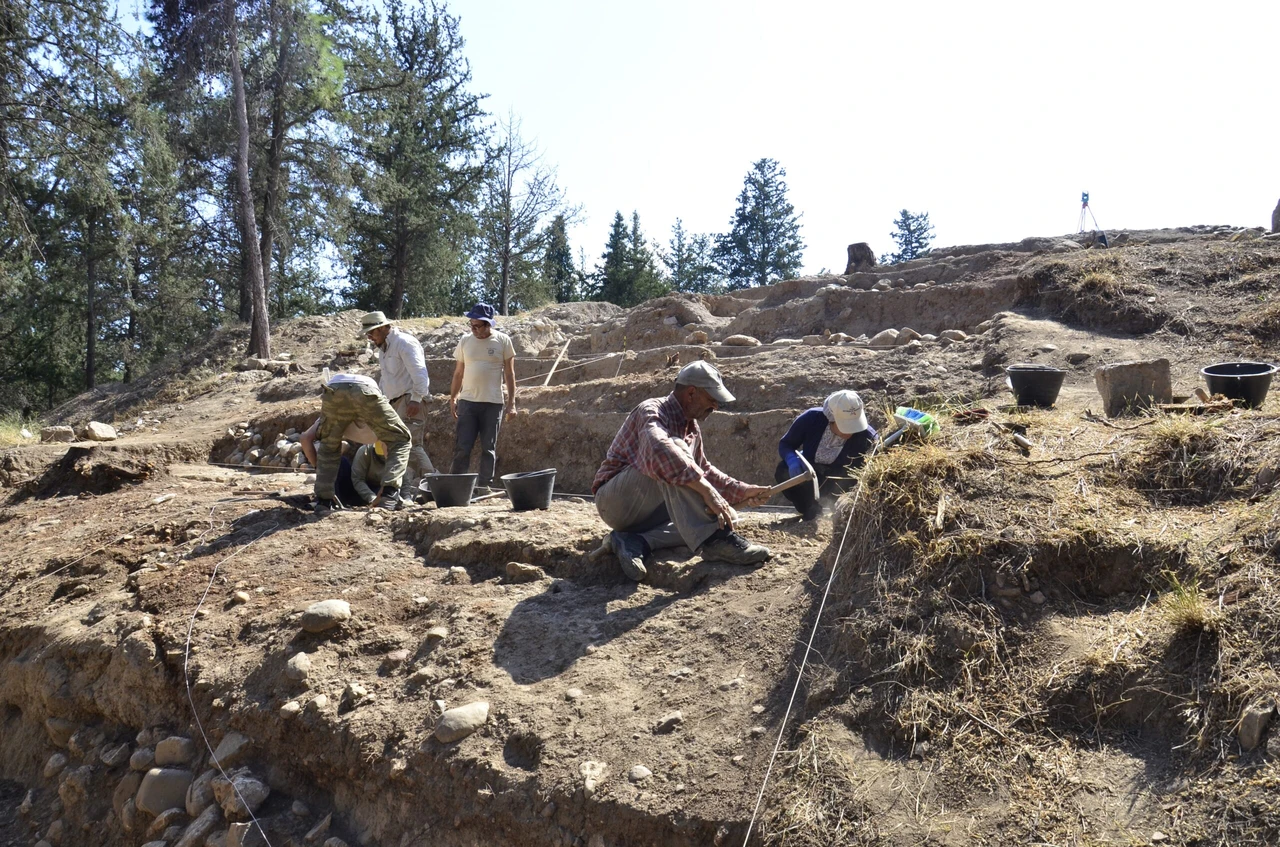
x: 346, y: 399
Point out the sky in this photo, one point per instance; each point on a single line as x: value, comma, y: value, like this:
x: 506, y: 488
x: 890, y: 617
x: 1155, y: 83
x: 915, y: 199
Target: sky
x: 990, y: 117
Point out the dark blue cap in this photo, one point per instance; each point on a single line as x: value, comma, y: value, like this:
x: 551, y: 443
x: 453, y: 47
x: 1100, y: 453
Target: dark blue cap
x: 481, y: 312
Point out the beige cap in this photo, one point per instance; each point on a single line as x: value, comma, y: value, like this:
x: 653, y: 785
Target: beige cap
x: 705, y: 376
x: 372, y: 321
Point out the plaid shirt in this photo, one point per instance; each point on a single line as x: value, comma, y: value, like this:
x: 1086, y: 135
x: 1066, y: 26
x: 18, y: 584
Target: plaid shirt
x: 660, y: 442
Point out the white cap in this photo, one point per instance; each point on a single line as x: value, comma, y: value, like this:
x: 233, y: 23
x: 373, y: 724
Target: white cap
x: 846, y: 411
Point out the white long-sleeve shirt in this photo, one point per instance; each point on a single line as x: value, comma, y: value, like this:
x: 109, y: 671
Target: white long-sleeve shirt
x: 404, y: 367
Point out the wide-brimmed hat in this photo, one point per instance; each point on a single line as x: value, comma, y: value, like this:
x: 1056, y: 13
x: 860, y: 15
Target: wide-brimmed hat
x: 481, y: 312
x: 372, y: 321
x: 846, y: 410
x: 705, y: 376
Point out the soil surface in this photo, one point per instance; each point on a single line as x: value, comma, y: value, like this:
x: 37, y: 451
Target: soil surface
x: 998, y: 661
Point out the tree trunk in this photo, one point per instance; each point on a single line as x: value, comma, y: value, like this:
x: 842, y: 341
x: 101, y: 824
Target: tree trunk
x: 399, y: 275
x: 506, y: 281
x: 260, y: 327
x: 275, y: 152
x: 134, y: 330
x: 91, y: 318
x: 245, y: 305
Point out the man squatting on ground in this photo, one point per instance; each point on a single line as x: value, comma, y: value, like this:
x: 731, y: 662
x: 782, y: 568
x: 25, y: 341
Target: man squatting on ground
x: 485, y: 359
x: 348, y: 399
x: 832, y: 437
x: 405, y: 384
x: 656, y: 488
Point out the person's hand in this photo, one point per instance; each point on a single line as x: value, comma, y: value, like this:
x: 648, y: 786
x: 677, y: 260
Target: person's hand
x: 453, y: 406
x: 757, y: 495
x: 377, y: 501
x: 719, y: 508
x: 511, y: 408
x: 414, y: 408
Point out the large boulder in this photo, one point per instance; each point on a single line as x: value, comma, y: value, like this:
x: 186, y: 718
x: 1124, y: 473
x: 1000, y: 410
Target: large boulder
x: 325, y: 615
x: 98, y: 431
x: 1125, y: 386
x: 457, y: 724
x: 162, y: 789
x: 1275, y: 218
x: 57, y: 433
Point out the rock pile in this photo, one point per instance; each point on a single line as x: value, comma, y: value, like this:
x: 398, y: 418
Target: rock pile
x: 254, y: 449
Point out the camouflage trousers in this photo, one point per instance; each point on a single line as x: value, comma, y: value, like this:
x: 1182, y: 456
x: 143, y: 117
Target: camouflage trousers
x: 419, y: 462
x: 344, y: 404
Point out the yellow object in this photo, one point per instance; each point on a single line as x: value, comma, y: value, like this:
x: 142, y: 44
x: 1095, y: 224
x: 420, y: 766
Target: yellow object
x: 380, y: 449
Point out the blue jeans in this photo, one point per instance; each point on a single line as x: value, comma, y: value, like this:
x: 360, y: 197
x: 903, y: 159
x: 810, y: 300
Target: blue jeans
x: 483, y: 419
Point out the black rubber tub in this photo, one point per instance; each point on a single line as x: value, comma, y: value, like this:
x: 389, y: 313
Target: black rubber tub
x: 1035, y: 385
x: 452, y: 489
x: 530, y: 490
x: 1247, y: 381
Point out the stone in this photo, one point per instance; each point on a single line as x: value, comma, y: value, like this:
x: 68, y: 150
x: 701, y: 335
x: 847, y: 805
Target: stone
x: 437, y: 633
x: 1037, y: 597
x: 75, y: 786
x: 114, y: 755
x: 334, y: 842
x: 60, y: 731
x: 1078, y: 358
x: 1047, y: 348
x: 290, y: 709
x: 395, y: 659
x: 55, y: 832
x: 953, y: 335
x: 82, y: 743
x: 741, y: 341
x: 882, y: 285
x: 520, y: 572
x: 319, y: 703
x: 884, y: 338
x: 298, y: 668
x: 129, y: 815
x: 639, y: 773
x: 905, y: 336
x: 698, y: 336
x: 97, y: 431
x: 125, y: 789
x: 299, y: 809
x: 668, y: 723
x: 199, y: 829
x: 50, y: 434
x: 200, y: 793
x: 231, y: 750
x: 320, y: 830
x: 592, y: 774
x: 860, y: 258
x: 355, y: 693
x: 1133, y: 384
x: 175, y: 750
x: 54, y: 765
x: 240, y: 597
x: 163, y: 788
x: 166, y: 819
x: 325, y: 615
x: 240, y: 795
x: 814, y: 340
x: 1253, y: 723
x: 573, y: 694
x: 456, y: 724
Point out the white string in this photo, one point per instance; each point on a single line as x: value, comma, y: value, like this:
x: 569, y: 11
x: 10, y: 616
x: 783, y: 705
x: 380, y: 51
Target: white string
x: 835, y: 567
x: 186, y: 678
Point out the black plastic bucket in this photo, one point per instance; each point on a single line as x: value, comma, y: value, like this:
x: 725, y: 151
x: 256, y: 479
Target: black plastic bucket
x: 530, y: 490
x: 452, y: 489
x: 1035, y: 385
x: 1247, y: 381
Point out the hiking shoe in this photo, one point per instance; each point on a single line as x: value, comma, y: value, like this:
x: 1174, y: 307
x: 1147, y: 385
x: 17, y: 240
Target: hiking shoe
x: 726, y: 546
x: 630, y: 550
x: 324, y: 507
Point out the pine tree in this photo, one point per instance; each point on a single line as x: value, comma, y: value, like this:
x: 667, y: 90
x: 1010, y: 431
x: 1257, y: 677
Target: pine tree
x: 912, y: 234
x: 559, y: 273
x: 763, y: 243
x: 628, y: 273
x: 689, y: 262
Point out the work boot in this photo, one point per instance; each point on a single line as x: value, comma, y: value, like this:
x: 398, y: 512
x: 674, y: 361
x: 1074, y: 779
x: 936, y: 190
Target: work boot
x: 324, y: 507
x: 391, y: 500
x: 630, y: 550
x: 727, y: 546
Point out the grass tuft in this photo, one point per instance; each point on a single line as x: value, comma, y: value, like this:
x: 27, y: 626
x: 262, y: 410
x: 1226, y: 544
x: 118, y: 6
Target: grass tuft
x: 1186, y: 606
x: 11, y: 426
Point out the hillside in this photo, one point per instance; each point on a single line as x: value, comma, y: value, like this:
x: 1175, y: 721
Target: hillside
x: 1075, y: 646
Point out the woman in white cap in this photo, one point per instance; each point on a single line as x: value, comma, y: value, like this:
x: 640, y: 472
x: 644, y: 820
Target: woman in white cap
x: 831, y: 437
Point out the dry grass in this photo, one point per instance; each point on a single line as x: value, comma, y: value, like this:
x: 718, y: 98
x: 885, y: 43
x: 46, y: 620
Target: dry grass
x: 1197, y: 459
x: 822, y: 802
x: 1187, y: 608
x: 11, y: 427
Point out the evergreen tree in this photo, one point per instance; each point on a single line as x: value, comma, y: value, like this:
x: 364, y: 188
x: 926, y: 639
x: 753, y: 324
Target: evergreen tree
x: 689, y: 262
x: 422, y: 164
x: 912, y: 234
x: 559, y: 273
x: 628, y: 273
x: 763, y: 243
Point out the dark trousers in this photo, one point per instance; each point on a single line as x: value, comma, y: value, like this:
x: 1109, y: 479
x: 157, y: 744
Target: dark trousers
x: 802, y: 495
x: 483, y: 419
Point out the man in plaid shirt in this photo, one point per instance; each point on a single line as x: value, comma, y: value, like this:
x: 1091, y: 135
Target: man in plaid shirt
x: 656, y: 488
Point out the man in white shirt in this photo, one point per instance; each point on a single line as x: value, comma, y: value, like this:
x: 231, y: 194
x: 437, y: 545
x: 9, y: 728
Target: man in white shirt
x: 346, y: 399
x: 485, y: 359
x: 406, y: 385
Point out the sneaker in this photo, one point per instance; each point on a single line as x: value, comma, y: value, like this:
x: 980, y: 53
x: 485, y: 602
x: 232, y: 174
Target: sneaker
x: 325, y: 507
x: 630, y: 550
x: 391, y: 501
x: 726, y: 546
